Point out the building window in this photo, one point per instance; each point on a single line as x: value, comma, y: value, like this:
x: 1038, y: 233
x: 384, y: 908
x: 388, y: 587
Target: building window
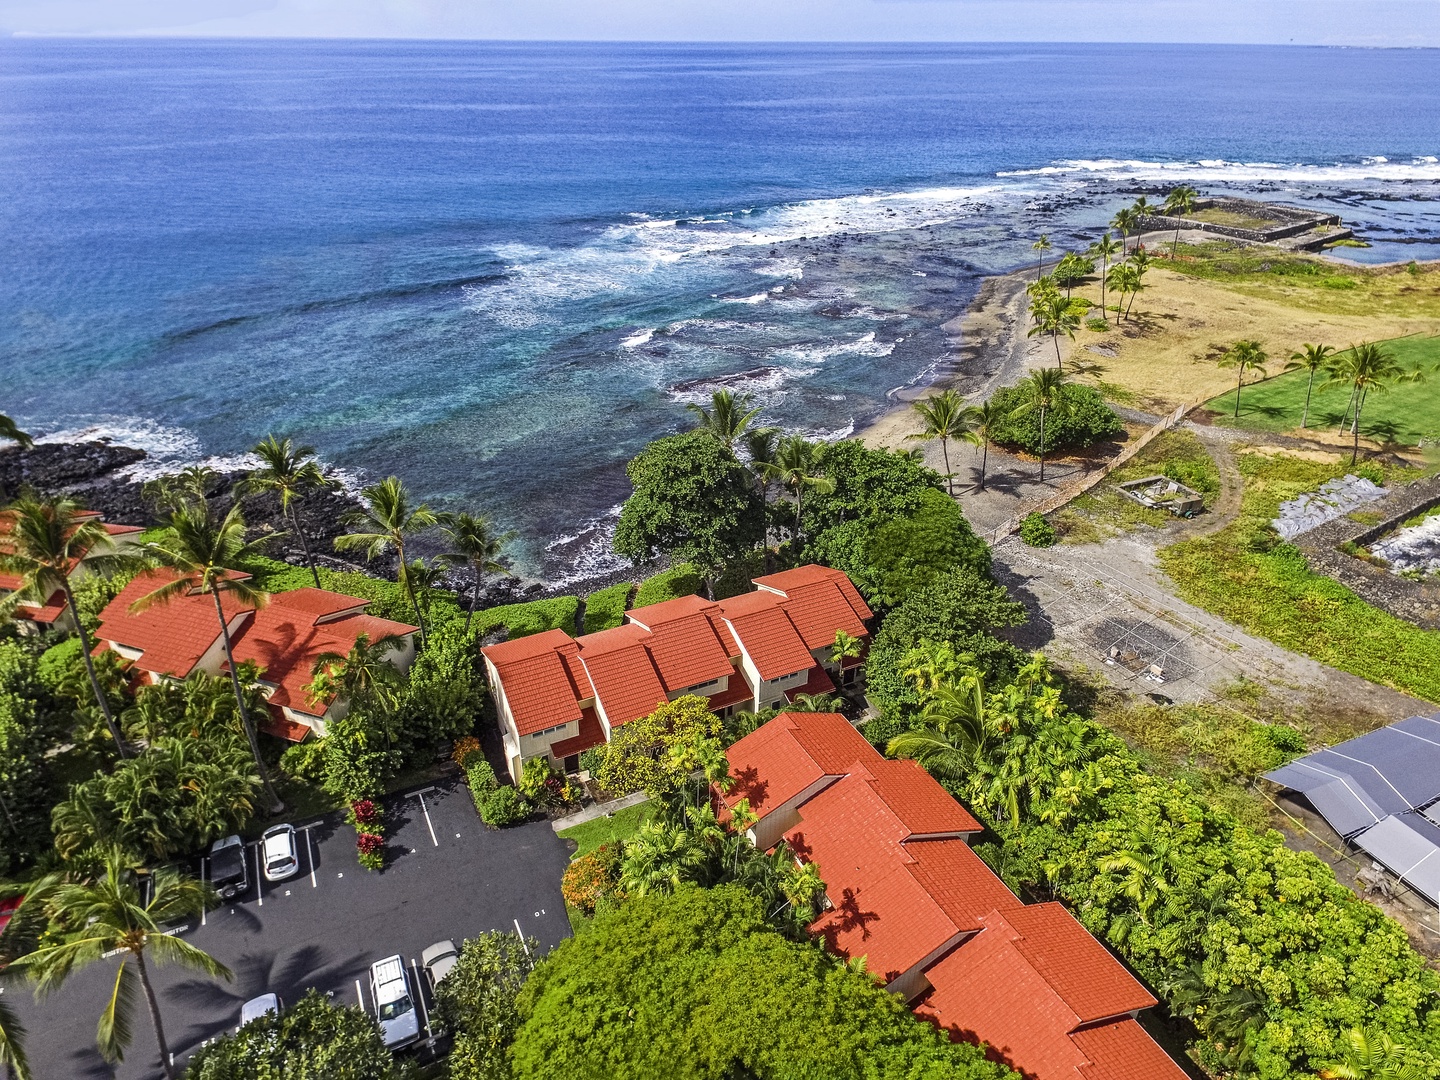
x: 548, y: 731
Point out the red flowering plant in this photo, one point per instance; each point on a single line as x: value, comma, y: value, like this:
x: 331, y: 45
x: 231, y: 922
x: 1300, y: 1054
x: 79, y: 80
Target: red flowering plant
x: 370, y: 847
x: 366, y: 815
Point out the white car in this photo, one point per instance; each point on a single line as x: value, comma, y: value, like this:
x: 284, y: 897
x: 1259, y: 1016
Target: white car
x: 277, y: 853
x: 438, y: 961
x: 394, y: 1007
x: 259, y: 1006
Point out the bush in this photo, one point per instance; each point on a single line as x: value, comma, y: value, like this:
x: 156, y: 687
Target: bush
x: 481, y: 778
x: 869, y: 485
x: 465, y: 749
x: 522, y: 620
x: 366, y: 815
x: 305, y: 760
x: 1368, y: 470
x: 533, y: 776
x: 476, y: 1002
x: 888, y: 558
x: 444, y: 690
x: 683, y: 579
x: 592, y: 878
x: 592, y: 760
x: 1036, y: 531
x: 1088, y: 421
x: 504, y: 806
x: 371, y: 849
x: 605, y: 609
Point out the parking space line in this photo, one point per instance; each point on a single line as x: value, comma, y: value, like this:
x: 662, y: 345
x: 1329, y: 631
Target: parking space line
x: 202, y: 885
x: 522, y: 936
x: 259, y: 881
x: 310, y: 847
x: 420, y: 997
x: 428, y: 825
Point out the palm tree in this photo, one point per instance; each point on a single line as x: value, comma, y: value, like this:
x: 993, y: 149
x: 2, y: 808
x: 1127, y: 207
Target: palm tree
x: 795, y: 467
x: 1044, y: 393
x: 953, y: 731
x: 1309, y: 358
x: 1180, y: 202
x: 1106, y: 248
x: 1243, y: 356
x: 1124, y: 223
x: 1364, y: 368
x: 1054, y: 316
x: 177, y: 492
x: 363, y: 676
x: 845, y: 648
x: 760, y: 444
x: 12, y: 433
x: 473, y: 543
x: 105, y: 916
x: 388, y: 518
x: 1371, y: 1054
x: 727, y: 418
x: 424, y: 576
x: 988, y: 419
x: 946, y: 417
x: 208, y: 557
x: 1040, y: 247
x: 289, y: 471
x: 1141, y: 208
x: 48, y: 540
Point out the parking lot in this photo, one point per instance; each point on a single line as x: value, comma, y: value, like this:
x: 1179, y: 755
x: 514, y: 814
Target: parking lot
x: 447, y: 876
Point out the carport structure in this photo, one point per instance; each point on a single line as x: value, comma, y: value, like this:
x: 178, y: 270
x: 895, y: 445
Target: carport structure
x: 1381, y: 792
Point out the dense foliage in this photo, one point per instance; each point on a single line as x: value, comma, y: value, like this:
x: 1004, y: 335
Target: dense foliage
x: 889, y: 558
x: 313, y: 1040
x: 1036, y: 531
x: 695, y: 984
x: 693, y: 501
x: 960, y: 610
x: 1259, y: 945
x: 682, y: 579
x: 533, y: 617
x: 868, y: 485
x: 476, y: 1003
x: 1082, y: 420
x: 657, y: 752
x: 605, y: 608
x: 32, y: 720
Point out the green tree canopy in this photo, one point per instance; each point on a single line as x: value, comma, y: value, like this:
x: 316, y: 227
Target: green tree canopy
x: 476, y: 1002
x: 658, y: 752
x: 868, y: 484
x: 313, y: 1040
x: 695, y: 984
x: 693, y: 501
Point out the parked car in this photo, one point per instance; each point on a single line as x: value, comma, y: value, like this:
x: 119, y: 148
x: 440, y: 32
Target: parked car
x: 257, y: 1007
x: 438, y: 961
x: 229, y: 872
x: 278, y: 854
x: 394, y: 1006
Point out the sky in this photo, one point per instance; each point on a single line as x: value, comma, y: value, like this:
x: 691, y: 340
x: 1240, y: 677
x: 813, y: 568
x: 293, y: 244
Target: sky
x: 1388, y: 23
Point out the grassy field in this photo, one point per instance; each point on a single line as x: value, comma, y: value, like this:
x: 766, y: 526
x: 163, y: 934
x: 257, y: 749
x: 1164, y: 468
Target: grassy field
x: 1401, y: 414
x: 1244, y: 574
x: 1216, y: 216
x: 1104, y: 511
x: 607, y: 830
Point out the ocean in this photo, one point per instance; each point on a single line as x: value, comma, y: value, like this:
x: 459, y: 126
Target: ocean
x: 497, y: 270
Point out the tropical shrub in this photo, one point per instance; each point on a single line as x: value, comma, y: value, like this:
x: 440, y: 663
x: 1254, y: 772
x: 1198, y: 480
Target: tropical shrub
x: 444, y: 689
x: 371, y: 849
x: 366, y: 815
x: 357, y: 761
x: 535, y: 617
x: 888, y: 558
x: 656, y: 753
x: 480, y: 776
x: 869, y: 485
x: 312, y: 1040
x: 682, y: 579
x: 1036, y: 531
x: 504, y: 806
x: 605, y: 608
x: 533, y: 776
x: 476, y: 1002
x: 960, y: 610
x: 305, y: 760
x: 592, y: 759
x: 696, y: 984
x: 592, y: 878
x: 465, y: 749
x: 1086, y: 420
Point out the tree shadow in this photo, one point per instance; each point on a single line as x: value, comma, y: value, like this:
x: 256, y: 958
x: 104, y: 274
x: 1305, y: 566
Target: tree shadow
x: 1036, y: 632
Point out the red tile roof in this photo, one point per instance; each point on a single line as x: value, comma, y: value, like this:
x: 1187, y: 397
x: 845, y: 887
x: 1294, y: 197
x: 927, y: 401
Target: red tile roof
x: 652, y: 615
x: 290, y: 633
x: 818, y: 682
x: 917, y: 799
x: 536, y: 678
x: 591, y: 735
x: 627, y: 686
x: 779, y: 760
x: 1028, y: 1010
x: 788, y: 581
x: 767, y: 635
x: 687, y: 652
x: 171, y: 637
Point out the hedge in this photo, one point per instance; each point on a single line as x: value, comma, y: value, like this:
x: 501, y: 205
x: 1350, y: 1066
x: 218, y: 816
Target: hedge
x: 522, y: 620
x: 606, y: 609
x: 682, y: 579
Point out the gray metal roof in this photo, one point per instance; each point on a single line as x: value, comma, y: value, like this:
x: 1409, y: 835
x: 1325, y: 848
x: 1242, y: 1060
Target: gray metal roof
x: 1360, y: 782
x: 1409, y: 846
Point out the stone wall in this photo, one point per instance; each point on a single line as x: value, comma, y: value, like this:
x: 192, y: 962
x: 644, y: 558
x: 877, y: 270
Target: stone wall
x: 1289, y: 220
x: 1414, y: 601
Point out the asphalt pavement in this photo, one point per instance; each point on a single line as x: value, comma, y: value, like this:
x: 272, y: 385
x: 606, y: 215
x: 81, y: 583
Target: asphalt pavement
x: 447, y: 876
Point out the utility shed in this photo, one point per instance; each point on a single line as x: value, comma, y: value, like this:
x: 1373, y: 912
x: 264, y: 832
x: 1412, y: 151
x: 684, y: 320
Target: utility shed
x: 1381, y: 792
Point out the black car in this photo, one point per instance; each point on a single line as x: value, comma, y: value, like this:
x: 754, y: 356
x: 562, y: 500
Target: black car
x: 229, y: 869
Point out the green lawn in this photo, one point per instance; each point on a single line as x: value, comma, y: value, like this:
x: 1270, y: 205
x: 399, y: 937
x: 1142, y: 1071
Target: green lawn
x: 606, y: 830
x: 1404, y: 414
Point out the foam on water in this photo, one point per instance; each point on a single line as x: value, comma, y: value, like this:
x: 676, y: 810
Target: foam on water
x: 1423, y: 168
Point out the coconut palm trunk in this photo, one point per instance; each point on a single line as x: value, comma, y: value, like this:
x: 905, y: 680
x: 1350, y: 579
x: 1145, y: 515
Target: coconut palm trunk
x: 144, y: 973
x: 949, y: 476
x: 1239, y: 382
x: 305, y: 546
x: 984, y: 457
x: 275, y: 804
x: 85, y: 647
x: 1042, y: 444
x: 1309, y: 388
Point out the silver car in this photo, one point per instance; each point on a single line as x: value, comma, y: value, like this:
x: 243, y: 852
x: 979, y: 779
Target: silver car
x: 438, y: 961
x: 394, y: 1006
x: 277, y: 853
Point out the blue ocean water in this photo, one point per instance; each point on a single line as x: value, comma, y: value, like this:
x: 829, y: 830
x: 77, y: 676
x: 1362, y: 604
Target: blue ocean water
x: 499, y: 269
